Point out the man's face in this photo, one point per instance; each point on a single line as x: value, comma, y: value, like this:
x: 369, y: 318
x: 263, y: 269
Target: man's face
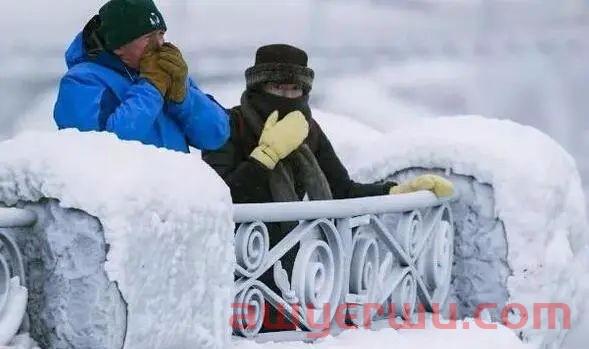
x: 284, y: 90
x: 132, y: 52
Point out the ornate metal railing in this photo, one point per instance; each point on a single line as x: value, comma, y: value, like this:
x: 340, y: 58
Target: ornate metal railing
x: 13, y: 295
x: 391, y: 251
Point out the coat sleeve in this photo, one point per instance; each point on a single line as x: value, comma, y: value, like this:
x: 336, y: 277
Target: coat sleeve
x: 204, y: 122
x: 247, y: 179
x: 88, y: 105
x: 339, y: 180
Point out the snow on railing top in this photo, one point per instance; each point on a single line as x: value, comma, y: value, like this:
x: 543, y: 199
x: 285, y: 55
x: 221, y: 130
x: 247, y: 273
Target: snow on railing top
x: 309, y: 210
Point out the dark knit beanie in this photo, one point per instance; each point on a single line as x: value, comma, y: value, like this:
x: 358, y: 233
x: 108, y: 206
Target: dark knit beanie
x: 282, y: 64
x: 126, y: 20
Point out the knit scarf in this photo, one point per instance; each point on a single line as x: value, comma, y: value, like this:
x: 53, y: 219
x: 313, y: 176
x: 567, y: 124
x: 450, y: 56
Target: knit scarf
x: 300, y: 169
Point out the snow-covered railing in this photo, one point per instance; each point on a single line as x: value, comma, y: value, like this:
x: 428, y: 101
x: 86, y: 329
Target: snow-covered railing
x: 390, y: 251
x: 13, y: 294
x: 16, y: 218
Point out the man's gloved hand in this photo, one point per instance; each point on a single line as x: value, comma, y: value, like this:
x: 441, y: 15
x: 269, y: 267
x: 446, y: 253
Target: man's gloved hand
x: 436, y: 184
x: 151, y: 70
x: 280, y: 138
x: 171, y: 61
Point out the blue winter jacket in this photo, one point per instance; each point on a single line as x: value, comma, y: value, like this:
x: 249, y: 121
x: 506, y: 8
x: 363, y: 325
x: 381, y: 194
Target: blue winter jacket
x: 102, y: 94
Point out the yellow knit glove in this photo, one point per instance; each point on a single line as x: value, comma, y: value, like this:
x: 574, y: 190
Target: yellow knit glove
x: 436, y: 184
x: 280, y: 138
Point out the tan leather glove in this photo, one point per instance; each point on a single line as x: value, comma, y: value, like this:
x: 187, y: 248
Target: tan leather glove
x: 171, y: 61
x: 151, y: 70
x: 280, y: 138
x: 436, y: 184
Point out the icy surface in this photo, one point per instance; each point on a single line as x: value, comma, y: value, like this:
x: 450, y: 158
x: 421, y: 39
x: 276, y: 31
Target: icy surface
x: 166, y: 218
x: 537, y: 196
x: 480, y: 270
x: 72, y: 304
x: 22, y: 341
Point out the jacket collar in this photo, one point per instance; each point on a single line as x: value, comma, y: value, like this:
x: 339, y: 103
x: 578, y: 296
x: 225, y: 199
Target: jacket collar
x: 77, y: 54
x: 112, y: 61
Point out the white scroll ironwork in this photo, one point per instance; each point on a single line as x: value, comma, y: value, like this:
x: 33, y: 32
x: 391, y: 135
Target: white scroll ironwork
x: 13, y: 293
x: 393, y: 251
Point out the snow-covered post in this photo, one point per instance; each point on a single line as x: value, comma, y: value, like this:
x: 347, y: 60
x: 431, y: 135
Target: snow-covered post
x: 393, y: 252
x: 13, y: 291
x: 123, y: 254
x: 521, y: 225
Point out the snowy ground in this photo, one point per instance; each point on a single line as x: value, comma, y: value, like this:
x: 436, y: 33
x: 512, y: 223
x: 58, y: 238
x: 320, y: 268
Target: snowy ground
x: 408, y: 339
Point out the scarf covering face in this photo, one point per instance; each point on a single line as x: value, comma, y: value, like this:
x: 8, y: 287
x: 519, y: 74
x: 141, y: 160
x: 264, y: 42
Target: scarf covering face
x: 265, y: 103
x: 300, y: 169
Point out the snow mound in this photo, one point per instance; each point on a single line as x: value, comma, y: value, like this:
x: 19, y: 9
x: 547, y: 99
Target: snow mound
x: 166, y: 219
x: 537, y: 196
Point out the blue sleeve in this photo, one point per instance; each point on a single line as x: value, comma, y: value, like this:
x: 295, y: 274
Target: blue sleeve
x: 203, y: 121
x: 88, y: 105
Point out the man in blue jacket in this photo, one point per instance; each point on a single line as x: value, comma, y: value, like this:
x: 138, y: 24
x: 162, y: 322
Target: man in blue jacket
x: 123, y: 78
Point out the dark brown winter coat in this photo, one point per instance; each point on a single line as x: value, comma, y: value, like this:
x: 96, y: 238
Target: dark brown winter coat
x: 248, y: 179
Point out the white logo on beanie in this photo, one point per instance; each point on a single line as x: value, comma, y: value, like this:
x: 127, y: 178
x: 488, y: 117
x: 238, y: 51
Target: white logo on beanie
x: 154, y: 19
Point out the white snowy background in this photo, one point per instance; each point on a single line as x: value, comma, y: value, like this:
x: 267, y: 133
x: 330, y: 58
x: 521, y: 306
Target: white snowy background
x: 379, y: 62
